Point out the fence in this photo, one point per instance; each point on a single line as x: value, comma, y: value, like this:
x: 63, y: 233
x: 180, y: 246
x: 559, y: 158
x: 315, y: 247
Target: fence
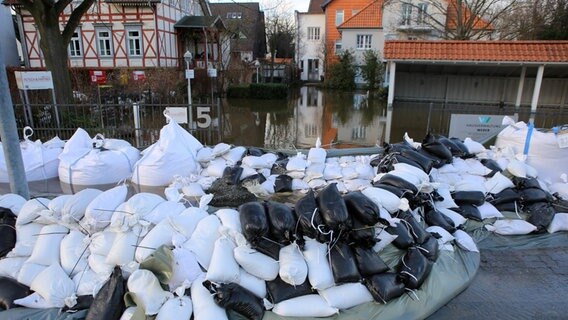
x: 136, y: 123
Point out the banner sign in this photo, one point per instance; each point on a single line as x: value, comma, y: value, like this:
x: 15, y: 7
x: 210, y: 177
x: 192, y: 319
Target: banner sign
x: 34, y: 80
x: 138, y: 75
x: 98, y: 76
x: 478, y: 127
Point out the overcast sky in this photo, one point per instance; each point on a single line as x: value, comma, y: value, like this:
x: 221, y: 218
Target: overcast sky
x: 300, y: 5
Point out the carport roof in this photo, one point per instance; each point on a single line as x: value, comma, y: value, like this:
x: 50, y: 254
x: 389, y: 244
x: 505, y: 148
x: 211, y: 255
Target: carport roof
x: 493, y: 52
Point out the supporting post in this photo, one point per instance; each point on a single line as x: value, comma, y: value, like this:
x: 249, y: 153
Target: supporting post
x: 392, y: 71
x: 520, y: 88
x: 536, y: 92
x: 137, y: 133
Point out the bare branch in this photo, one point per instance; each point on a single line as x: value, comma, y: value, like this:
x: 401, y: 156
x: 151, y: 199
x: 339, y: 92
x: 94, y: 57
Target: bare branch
x: 61, y: 5
x: 75, y: 19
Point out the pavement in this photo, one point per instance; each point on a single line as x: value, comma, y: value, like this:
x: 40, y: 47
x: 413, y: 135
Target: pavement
x: 514, y: 284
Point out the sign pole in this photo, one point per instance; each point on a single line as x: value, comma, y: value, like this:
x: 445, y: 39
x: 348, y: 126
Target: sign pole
x: 27, y: 109
x: 56, y: 108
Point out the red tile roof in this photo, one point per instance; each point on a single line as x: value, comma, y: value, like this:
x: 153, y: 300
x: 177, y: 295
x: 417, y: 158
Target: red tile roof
x: 478, y: 23
x: 503, y: 51
x: 315, y: 6
x: 371, y: 16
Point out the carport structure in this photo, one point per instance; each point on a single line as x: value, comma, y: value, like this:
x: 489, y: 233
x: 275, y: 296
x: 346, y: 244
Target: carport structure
x: 500, y: 73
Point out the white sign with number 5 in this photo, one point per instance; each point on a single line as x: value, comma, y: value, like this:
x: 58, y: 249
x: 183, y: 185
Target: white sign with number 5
x: 203, y: 113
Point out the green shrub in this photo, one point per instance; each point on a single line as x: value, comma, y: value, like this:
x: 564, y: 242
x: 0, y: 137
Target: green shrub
x: 238, y: 91
x: 268, y: 91
x: 341, y: 74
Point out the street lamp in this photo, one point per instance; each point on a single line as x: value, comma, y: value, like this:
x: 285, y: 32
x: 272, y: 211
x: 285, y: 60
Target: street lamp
x: 187, y: 56
x: 257, y: 65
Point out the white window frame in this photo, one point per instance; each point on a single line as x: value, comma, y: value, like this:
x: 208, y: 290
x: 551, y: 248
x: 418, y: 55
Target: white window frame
x: 339, y: 13
x: 359, y: 133
x: 406, y: 14
x: 338, y: 47
x: 234, y: 15
x: 130, y: 42
x: 364, y: 41
x: 313, y: 33
x: 104, y: 43
x: 76, y: 45
x: 422, y: 14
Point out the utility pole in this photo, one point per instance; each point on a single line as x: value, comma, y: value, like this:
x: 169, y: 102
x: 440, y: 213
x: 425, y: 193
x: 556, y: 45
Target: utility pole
x: 9, y: 136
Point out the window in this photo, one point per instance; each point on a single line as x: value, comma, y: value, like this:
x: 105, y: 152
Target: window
x: 359, y: 133
x: 234, y: 15
x: 364, y: 41
x: 134, y: 38
x: 338, y: 47
x: 406, y: 14
x: 311, y: 130
x: 104, y: 40
x: 313, y: 33
x: 422, y: 13
x: 339, y: 17
x: 75, y: 46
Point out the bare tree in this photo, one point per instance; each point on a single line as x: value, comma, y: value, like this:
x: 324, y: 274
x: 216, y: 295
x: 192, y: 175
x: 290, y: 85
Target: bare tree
x: 53, y: 42
x: 535, y: 20
x: 280, y: 31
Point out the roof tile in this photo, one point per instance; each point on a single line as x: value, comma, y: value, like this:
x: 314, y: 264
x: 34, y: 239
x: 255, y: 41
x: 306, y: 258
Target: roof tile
x: 369, y: 17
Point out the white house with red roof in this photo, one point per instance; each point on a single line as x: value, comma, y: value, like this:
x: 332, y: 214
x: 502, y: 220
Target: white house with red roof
x: 310, y: 47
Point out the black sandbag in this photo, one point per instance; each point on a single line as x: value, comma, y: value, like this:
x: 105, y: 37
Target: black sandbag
x: 109, y: 303
x: 279, y: 167
x: 506, y: 196
x: 232, y: 175
x: 508, y: 206
x: 376, y: 160
x: 394, y: 190
x: 268, y: 247
x: 11, y: 290
x: 559, y: 205
x: 258, y: 178
x: 414, y: 268
x: 470, y: 211
x: 540, y: 215
x: 277, y: 290
x: 398, y: 182
x: 525, y: 183
x: 491, y: 165
x: 232, y: 296
x: 459, y: 143
x: 454, y: 149
x: 396, y: 147
x: 7, y: 231
x: 476, y: 198
x: 362, y: 208
x: 306, y: 212
x: 436, y: 162
x: 254, y: 222
x: 431, y: 145
x: 282, y: 222
x: 416, y: 229
x: 362, y: 235
x: 385, y: 286
x: 283, y: 183
x: 398, y: 158
x: 425, y: 162
x: 333, y: 208
x: 430, y: 248
x: 343, y: 264
x: 434, y: 217
x: 253, y: 151
x: 533, y: 195
x: 368, y: 262
x: 404, y: 239
x: 83, y: 303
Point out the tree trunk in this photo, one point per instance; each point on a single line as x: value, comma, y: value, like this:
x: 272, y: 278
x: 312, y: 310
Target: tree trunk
x: 55, y: 53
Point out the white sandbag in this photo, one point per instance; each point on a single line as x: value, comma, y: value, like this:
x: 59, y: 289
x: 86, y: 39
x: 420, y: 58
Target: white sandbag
x: 445, y: 236
x: 223, y: 267
x: 54, y: 286
x: 30, y: 210
x: 13, y: 202
x: 297, y: 163
x: 299, y: 184
x: 348, y: 172
x: 384, y: 239
x: 98, y: 264
x: 408, y: 176
x: 143, y: 203
x: 234, y: 155
x: 87, y: 282
x: 561, y: 188
x: 101, y: 242
x: 202, y: 241
x: 257, y: 162
x: 204, y: 155
x: 332, y: 171
x: 253, y: 284
x: 365, y: 171
x: 230, y: 218
x: 293, y: 268
x: 457, y: 218
x: 46, y: 250
x: 185, y: 268
x: 473, y: 147
x: 204, y: 307
x: 448, y: 201
x: 517, y: 168
x: 75, y: 208
x: 99, y: 212
x: 34, y: 301
x: 498, y: 183
x: 161, y: 234
x: 465, y: 241
x: 123, y: 249
x: 148, y: 293
x: 320, y: 183
x: 317, y: 154
x: 57, y: 204
x: 531, y: 171
x: 346, y: 159
x: 74, y: 252
x: 511, y: 227
x: 296, y: 174
x: 559, y: 223
x: 128, y: 313
x: 445, y: 178
x: 346, y: 296
x: 469, y: 182
x: 26, y: 237
x: 186, y: 222
x: 319, y: 270
x: 10, y: 267
x: 247, y: 172
x: 176, y: 308
x: 356, y: 184
x: 314, y: 171
x: 386, y: 199
x: 265, y: 172
x: 164, y: 210
x: 193, y: 190
x: 256, y: 263
x: 29, y: 272
x: 216, y: 168
x: 220, y: 149
x: 449, y: 168
x: 311, y: 305
x: 487, y: 211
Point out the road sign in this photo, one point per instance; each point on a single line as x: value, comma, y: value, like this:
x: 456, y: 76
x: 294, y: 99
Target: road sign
x: 34, y: 80
x: 138, y: 75
x: 98, y: 76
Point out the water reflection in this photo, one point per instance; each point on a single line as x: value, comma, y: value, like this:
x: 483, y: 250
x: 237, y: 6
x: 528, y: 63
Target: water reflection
x: 340, y: 119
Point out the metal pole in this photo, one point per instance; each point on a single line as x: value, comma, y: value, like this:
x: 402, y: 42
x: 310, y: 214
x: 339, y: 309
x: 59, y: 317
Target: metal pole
x: 189, y: 100
x: 28, y: 109
x: 137, y: 133
x: 56, y: 110
x: 9, y: 136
